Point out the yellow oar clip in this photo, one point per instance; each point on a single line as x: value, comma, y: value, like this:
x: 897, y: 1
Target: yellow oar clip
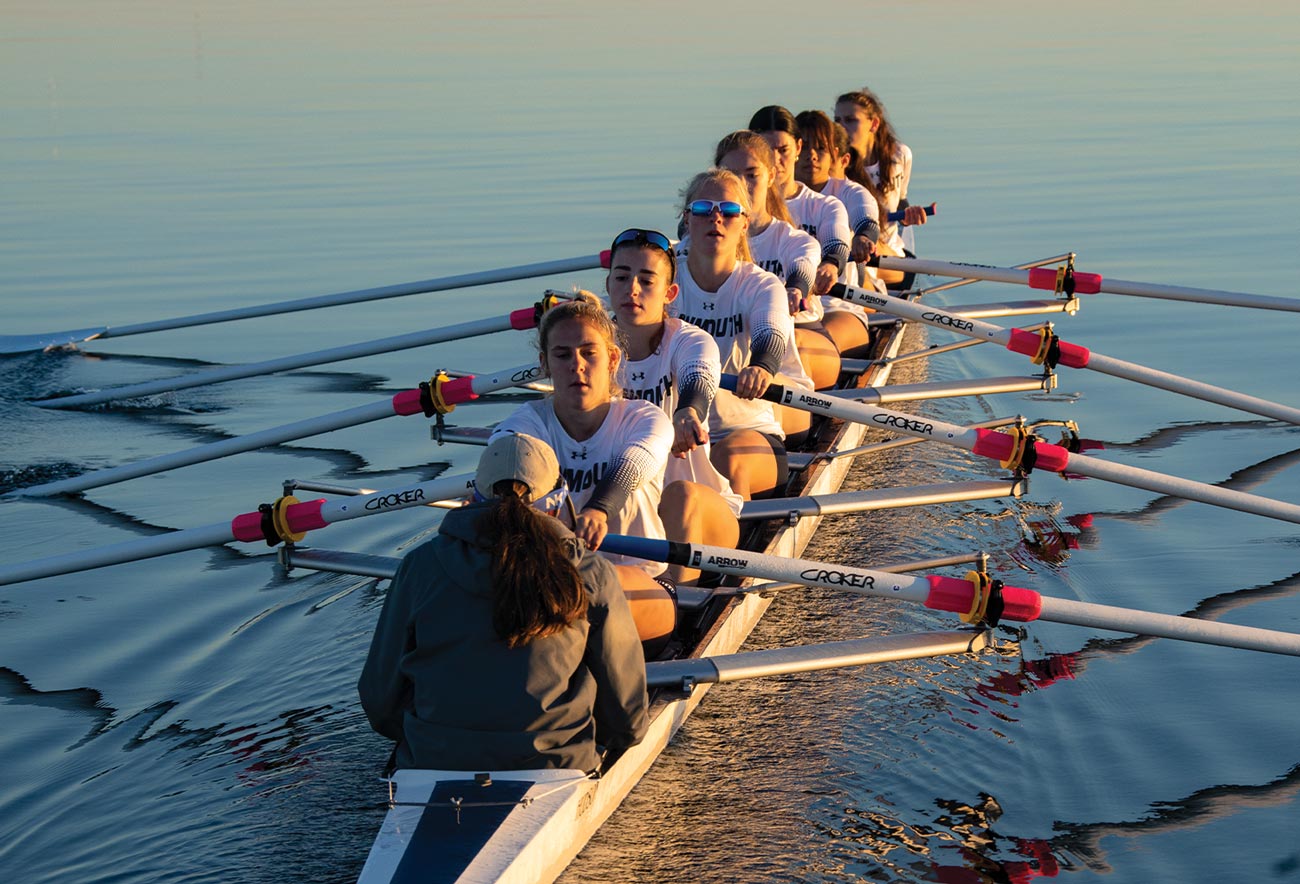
x: 280, y: 520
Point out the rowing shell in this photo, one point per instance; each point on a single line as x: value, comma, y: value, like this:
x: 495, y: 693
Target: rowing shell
x: 527, y: 826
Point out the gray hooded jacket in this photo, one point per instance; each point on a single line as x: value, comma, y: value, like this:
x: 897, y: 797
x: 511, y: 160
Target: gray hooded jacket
x: 454, y: 697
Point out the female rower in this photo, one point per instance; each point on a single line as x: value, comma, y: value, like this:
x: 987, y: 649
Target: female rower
x: 781, y: 248
x: 822, y: 216
x: 885, y: 161
x: 674, y: 365
x: 823, y: 153
x: 503, y: 644
x: 612, y: 451
x: 745, y: 309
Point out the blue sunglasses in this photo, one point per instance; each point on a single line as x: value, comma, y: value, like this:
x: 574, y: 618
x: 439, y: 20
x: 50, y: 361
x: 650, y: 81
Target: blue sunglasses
x: 705, y: 208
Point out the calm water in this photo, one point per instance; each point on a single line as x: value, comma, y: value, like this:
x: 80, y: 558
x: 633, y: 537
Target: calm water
x: 193, y: 718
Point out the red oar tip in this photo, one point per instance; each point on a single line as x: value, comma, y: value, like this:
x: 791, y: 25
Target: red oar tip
x: 958, y: 596
x: 1047, y: 279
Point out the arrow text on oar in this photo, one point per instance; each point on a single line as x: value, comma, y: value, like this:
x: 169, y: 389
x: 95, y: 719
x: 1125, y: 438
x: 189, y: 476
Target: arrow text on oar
x: 977, y: 599
x: 1023, y: 451
x: 1047, y: 348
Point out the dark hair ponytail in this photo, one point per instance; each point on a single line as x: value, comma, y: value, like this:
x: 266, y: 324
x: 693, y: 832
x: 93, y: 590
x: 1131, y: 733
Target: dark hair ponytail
x: 536, y: 588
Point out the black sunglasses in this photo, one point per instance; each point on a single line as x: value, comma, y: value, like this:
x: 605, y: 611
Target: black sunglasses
x: 635, y: 236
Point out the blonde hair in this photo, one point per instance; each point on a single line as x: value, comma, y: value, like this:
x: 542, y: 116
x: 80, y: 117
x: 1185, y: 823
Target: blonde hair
x: 724, y: 179
x: 746, y: 139
x: 585, y: 307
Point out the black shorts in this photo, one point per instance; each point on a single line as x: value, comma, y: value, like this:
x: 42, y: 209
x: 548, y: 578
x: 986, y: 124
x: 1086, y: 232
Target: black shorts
x: 782, y: 466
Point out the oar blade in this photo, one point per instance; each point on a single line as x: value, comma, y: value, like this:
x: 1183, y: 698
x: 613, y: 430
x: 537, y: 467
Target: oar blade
x: 14, y: 344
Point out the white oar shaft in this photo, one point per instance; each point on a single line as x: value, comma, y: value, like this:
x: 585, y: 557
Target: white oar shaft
x: 128, y: 551
x: 985, y: 272
x: 998, y: 446
x: 1199, y: 296
x: 1195, y: 389
x: 1160, y: 483
x: 1190, y: 629
x: 351, y: 417
x: 296, y: 518
x: 880, y: 499
x: 952, y: 594
x: 1071, y: 355
x: 25, y: 343
x: 225, y: 373
x: 212, y: 451
x: 811, y: 658
x: 1090, y: 283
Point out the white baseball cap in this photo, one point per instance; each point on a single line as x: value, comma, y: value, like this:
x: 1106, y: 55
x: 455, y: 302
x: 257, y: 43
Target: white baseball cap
x: 522, y: 458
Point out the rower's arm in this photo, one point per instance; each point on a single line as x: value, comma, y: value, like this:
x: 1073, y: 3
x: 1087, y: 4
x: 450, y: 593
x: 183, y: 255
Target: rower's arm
x: 647, y: 443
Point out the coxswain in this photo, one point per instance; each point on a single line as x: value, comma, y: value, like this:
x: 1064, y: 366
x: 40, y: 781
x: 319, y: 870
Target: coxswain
x: 504, y: 644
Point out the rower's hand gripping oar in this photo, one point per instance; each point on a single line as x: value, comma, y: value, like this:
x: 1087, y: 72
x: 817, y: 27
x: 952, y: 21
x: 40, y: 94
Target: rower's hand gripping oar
x: 1022, y: 451
x: 930, y: 211
x: 1067, y: 281
x: 1046, y: 348
x: 977, y: 599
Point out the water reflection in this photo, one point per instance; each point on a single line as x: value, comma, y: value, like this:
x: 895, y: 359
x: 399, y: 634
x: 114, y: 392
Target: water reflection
x: 958, y: 845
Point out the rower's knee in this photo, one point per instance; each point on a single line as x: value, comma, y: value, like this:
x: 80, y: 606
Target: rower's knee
x: 679, y: 502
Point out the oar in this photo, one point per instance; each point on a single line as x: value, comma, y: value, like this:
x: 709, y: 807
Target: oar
x: 1086, y: 283
x: 423, y: 400
x: 287, y: 519
x: 47, y: 340
x: 723, y: 668
x: 519, y: 319
x: 976, y: 603
x: 1024, y: 452
x: 1046, y: 347
x: 869, y: 500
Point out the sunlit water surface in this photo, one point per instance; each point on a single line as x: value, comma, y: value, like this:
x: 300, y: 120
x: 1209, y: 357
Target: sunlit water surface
x: 193, y: 718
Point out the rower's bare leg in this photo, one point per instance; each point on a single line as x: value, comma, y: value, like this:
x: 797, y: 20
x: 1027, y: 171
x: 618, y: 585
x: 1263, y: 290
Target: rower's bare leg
x: 653, y: 609
x: 820, y: 358
x: 847, y: 330
x: 747, y: 460
x: 795, y: 423
x: 889, y: 277
x: 694, y: 513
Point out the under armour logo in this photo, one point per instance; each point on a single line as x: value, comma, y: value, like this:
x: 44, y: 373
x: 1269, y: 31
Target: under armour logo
x: 580, y: 455
x: 638, y: 376
x: 709, y: 305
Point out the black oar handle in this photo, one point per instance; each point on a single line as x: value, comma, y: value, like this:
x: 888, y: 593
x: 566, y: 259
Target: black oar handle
x: 775, y: 392
x: 930, y: 211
